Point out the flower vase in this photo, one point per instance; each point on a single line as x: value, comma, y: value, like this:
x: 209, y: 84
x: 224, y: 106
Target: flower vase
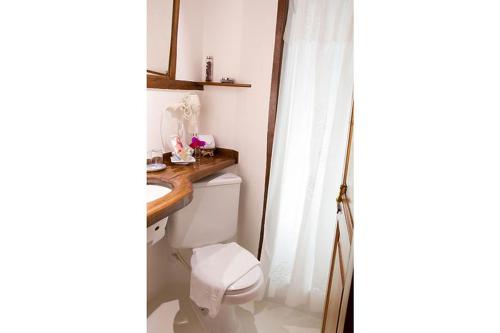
x: 197, y: 154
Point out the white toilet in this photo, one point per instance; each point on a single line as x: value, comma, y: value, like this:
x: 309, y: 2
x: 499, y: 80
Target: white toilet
x: 212, y: 218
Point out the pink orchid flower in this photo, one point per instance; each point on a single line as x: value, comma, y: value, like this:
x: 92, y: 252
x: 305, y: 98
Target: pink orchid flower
x: 197, y: 143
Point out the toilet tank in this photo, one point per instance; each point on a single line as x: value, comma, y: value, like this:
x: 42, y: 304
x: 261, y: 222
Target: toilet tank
x: 212, y: 215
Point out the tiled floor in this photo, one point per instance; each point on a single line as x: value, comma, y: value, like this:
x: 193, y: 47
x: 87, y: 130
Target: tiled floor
x: 268, y: 317
x: 175, y: 315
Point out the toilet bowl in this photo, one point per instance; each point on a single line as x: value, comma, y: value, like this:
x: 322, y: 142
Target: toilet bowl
x: 242, y: 291
x: 212, y: 218
x: 226, y: 320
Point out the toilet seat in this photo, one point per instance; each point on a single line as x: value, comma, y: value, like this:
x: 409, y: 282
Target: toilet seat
x: 246, y: 283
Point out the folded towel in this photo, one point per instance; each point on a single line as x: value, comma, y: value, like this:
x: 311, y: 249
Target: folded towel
x: 209, y: 140
x: 215, y: 268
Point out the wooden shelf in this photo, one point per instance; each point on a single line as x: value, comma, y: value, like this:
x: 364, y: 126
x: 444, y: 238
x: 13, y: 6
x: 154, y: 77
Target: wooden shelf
x: 220, y: 84
x: 162, y: 82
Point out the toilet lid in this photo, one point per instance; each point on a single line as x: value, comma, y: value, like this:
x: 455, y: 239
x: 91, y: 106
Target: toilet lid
x: 247, y: 281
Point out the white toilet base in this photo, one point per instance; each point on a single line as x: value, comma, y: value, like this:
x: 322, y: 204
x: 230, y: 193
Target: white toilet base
x: 225, y: 321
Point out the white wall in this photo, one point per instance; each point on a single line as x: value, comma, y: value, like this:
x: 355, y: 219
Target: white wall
x: 158, y: 100
x: 190, y: 41
x: 240, y: 37
x: 256, y: 67
x: 222, y: 38
x: 239, y: 34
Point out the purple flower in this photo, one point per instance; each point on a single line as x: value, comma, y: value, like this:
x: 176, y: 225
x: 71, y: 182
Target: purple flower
x: 197, y: 143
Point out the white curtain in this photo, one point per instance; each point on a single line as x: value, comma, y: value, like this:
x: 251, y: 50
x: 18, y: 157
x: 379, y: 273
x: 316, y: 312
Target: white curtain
x: 309, y: 147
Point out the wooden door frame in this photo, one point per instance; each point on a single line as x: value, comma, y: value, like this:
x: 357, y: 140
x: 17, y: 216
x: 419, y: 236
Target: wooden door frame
x: 282, y: 14
x: 343, y: 204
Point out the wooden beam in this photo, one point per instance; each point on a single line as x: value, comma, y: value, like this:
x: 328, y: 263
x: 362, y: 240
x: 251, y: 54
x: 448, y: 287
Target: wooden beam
x: 273, y: 102
x: 172, y: 60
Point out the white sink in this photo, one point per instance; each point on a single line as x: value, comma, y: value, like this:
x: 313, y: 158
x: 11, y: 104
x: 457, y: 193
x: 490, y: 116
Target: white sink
x: 154, y: 192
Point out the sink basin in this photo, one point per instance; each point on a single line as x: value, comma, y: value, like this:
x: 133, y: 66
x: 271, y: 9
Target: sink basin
x: 154, y: 192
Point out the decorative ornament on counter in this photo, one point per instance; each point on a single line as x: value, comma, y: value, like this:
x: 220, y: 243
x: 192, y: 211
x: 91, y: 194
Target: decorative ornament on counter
x: 176, y: 160
x: 197, y: 144
x: 208, y: 149
x: 191, y: 107
x: 209, y: 140
x: 208, y: 152
x: 185, y: 114
x: 181, y: 154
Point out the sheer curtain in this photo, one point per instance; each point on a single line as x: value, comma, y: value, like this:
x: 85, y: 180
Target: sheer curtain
x: 309, y: 145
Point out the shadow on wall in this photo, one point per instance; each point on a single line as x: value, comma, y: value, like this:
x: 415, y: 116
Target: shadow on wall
x: 163, y: 271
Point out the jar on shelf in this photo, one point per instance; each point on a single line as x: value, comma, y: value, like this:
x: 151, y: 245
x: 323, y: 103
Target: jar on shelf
x: 209, y: 69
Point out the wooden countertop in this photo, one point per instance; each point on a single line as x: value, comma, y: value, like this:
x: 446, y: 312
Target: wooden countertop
x: 179, y: 178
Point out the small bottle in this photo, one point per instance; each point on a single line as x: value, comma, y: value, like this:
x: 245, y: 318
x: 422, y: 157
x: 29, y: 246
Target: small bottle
x: 209, y: 69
